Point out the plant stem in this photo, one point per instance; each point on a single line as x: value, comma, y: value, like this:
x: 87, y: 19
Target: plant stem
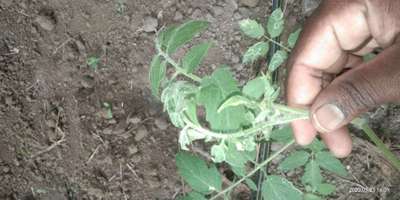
x: 294, y: 114
x: 178, y: 69
x: 254, y: 170
x: 277, y: 43
x: 381, y: 146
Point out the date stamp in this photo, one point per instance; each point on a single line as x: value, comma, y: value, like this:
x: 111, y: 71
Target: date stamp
x: 369, y: 189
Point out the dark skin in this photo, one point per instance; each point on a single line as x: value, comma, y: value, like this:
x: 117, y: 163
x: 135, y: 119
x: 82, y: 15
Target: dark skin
x: 327, y: 74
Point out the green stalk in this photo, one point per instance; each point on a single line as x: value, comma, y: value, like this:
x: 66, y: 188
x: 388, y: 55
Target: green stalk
x: 293, y: 114
x: 261, y: 165
x: 277, y: 43
x: 178, y: 69
x: 381, y: 146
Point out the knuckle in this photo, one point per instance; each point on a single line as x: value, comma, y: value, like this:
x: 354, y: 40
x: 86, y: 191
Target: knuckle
x: 358, y: 95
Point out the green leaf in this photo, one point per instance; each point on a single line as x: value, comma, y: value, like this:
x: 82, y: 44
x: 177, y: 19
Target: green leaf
x: 218, y: 152
x: 213, y: 91
x: 310, y: 196
x: 178, y: 97
x: 277, y: 60
x: 278, y: 188
x: 330, y: 163
x: 293, y: 38
x: 282, y: 135
x: 93, y: 62
x: 187, y: 136
x: 275, y: 23
x: 194, y: 196
x: 251, y: 28
x: 326, y: 189
x: 294, y: 160
x: 197, y: 174
x: 237, y: 158
x: 157, y: 74
x: 240, y: 171
x: 312, y: 175
x: 254, y: 88
x: 184, y: 33
x: 191, y: 112
x: 165, y: 35
x: 251, y: 184
x: 194, y: 57
x: 236, y: 100
x: 316, y: 145
x: 255, y: 52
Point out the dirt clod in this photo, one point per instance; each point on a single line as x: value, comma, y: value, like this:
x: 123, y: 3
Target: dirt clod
x: 140, y: 134
x: 249, y: 3
x: 150, y: 24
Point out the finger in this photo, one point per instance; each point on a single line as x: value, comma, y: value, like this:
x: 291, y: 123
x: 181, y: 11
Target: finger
x: 322, y: 48
x: 304, y: 132
x: 338, y: 142
x: 358, y: 90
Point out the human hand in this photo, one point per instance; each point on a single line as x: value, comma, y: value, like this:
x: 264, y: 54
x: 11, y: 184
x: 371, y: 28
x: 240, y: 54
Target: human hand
x: 334, y: 39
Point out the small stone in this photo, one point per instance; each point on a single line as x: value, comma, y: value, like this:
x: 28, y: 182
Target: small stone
x: 249, y: 3
x: 161, y: 124
x: 45, y: 23
x: 150, y: 24
x: 235, y: 59
x: 167, y: 3
x: 95, y: 192
x: 132, y: 149
x: 233, y: 4
x: 237, y: 16
x: 218, y: 10
x: 133, y: 120
x: 140, y: 134
x: 245, y: 12
x: 107, y: 131
x: 197, y: 14
x: 6, y: 169
x: 178, y: 16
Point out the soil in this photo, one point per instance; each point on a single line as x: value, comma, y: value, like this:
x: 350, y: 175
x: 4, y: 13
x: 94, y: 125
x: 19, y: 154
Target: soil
x: 58, y: 140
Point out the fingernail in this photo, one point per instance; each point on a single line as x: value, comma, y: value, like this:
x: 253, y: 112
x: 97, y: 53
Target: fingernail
x: 328, y: 117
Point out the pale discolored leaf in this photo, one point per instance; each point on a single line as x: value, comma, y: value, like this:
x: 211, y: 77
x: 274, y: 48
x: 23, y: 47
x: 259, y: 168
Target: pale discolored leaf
x: 255, y: 52
x: 251, y: 28
x: 277, y: 60
x: 275, y: 23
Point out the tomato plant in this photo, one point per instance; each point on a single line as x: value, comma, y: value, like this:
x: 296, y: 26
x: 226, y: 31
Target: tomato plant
x: 236, y: 117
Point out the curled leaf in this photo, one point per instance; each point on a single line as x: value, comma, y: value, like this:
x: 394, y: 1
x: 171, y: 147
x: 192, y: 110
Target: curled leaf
x: 236, y: 100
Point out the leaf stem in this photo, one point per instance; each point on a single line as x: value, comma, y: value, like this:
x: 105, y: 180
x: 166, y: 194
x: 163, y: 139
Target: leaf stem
x: 381, y: 146
x: 277, y: 43
x: 254, y: 170
x: 295, y: 114
x: 178, y: 69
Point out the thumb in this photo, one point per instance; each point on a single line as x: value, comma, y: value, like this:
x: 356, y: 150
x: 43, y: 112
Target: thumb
x: 358, y: 90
